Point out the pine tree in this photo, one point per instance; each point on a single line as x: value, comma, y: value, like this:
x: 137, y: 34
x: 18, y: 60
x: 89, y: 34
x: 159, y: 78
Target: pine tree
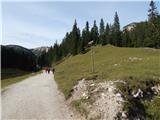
x: 94, y: 33
x: 87, y: 34
x: 82, y: 42
x: 125, y: 41
x: 75, y: 38
x: 152, y: 12
x: 157, y: 32
x: 154, y: 26
x: 102, y: 33
x: 116, y: 34
x: 107, y: 36
x: 116, y: 24
x: 56, y: 52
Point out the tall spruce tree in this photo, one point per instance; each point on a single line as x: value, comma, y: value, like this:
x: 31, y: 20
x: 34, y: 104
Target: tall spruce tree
x: 56, y: 52
x: 154, y: 26
x: 125, y: 37
x: 152, y: 12
x: 94, y: 33
x: 102, y: 33
x: 81, y: 48
x: 75, y: 39
x: 116, y: 34
x: 107, y: 35
x: 87, y: 33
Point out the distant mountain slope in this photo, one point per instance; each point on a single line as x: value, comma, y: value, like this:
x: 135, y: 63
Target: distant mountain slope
x: 14, y: 56
x: 38, y: 51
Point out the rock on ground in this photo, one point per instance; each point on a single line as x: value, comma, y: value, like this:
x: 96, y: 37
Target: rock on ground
x: 99, y: 100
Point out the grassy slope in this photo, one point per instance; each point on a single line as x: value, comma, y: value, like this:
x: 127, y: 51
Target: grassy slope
x: 15, y: 79
x: 73, y: 68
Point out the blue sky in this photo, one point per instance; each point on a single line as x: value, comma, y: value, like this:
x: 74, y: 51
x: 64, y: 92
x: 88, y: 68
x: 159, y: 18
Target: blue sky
x: 34, y: 24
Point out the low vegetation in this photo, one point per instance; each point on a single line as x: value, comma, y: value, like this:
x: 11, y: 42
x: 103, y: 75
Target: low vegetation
x: 152, y: 108
x: 11, y: 80
x: 10, y: 72
x: 138, y: 107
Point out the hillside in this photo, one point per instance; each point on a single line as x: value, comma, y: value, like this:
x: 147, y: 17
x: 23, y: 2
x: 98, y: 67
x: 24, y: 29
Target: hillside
x: 130, y: 69
x: 14, y: 56
x: 111, y: 63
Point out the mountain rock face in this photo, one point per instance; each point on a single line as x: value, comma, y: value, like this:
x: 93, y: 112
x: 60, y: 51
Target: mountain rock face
x: 38, y: 51
x: 14, y: 56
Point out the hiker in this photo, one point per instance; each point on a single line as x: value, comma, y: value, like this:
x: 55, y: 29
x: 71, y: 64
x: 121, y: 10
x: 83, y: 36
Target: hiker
x: 48, y: 70
x: 53, y: 70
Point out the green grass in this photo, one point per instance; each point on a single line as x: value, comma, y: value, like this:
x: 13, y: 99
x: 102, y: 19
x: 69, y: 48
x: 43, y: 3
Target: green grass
x: 75, y: 67
x: 153, y: 109
x: 12, y: 80
x: 10, y: 72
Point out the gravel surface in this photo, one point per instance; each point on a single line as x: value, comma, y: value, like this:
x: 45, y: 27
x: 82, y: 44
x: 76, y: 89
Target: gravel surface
x: 35, y: 98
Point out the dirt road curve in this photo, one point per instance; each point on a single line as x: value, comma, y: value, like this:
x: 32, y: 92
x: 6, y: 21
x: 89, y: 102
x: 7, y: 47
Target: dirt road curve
x: 35, y: 98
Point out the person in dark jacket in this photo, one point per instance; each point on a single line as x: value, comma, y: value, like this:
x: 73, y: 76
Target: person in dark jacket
x: 53, y: 70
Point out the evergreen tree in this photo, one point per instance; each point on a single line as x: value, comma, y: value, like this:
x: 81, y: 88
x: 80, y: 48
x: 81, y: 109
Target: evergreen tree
x: 125, y: 41
x: 152, y: 12
x: 75, y: 38
x: 94, y: 33
x: 107, y: 36
x: 82, y: 42
x: 87, y: 34
x: 116, y: 24
x: 154, y: 26
x: 116, y: 34
x: 102, y: 33
x: 56, y: 52
x: 157, y: 32
x: 69, y: 43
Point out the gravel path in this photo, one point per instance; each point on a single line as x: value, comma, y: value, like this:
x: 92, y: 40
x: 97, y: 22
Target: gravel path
x: 35, y: 98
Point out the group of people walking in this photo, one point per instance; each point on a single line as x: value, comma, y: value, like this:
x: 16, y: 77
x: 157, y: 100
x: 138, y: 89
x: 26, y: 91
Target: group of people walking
x: 48, y: 70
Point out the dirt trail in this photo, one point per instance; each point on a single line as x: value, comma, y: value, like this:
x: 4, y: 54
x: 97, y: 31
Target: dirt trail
x: 35, y: 98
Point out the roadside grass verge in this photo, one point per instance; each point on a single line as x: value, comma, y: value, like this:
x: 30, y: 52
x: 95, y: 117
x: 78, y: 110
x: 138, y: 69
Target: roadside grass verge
x: 10, y: 73
x: 111, y: 63
x: 12, y: 80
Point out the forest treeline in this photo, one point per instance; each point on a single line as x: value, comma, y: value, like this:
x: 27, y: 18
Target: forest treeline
x: 143, y: 34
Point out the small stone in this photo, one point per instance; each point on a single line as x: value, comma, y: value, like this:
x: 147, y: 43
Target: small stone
x: 110, y: 89
x: 92, y: 84
x: 115, y: 64
x: 124, y: 115
x: 118, y: 95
